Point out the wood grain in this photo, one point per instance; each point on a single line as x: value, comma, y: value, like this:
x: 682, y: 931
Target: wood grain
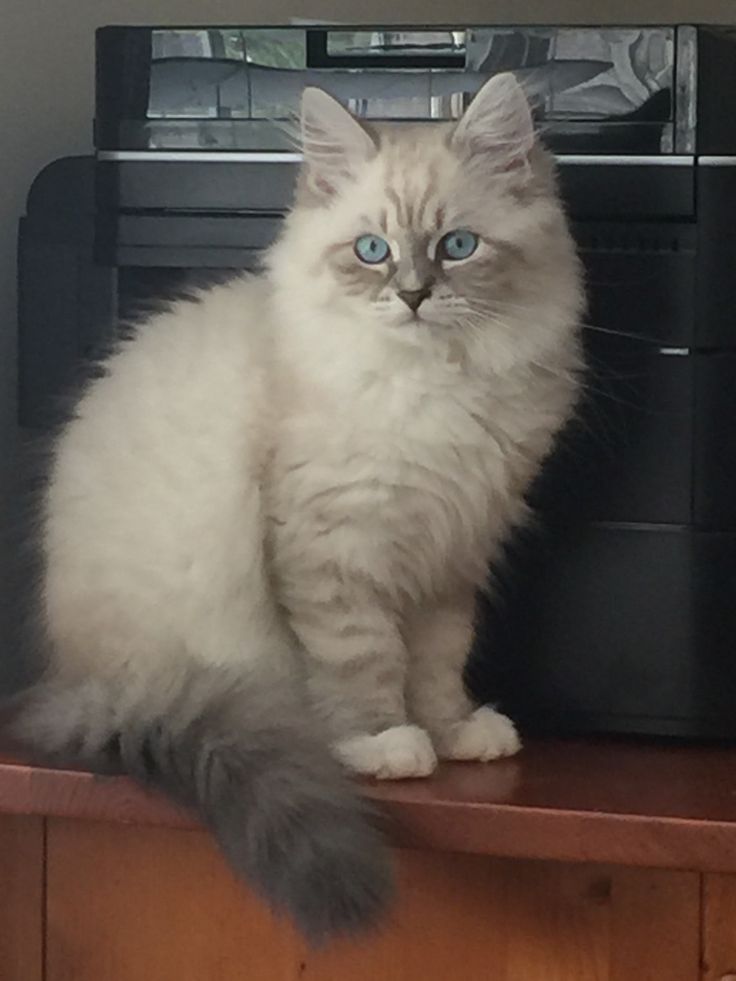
x: 596, y: 801
x: 606, y: 802
x: 719, y: 928
x: 30, y: 789
x: 441, y: 928
x: 655, y: 925
x: 528, y: 921
x: 126, y: 904
x: 131, y: 903
x: 21, y: 905
x: 558, y: 923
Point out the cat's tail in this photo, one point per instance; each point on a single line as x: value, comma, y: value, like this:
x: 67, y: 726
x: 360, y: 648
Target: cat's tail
x: 255, y: 767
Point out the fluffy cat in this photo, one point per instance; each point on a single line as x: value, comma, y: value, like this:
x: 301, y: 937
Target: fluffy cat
x: 265, y: 525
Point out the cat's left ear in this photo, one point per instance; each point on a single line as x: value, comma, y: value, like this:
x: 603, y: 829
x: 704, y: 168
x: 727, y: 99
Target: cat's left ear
x: 498, y: 123
x: 334, y: 143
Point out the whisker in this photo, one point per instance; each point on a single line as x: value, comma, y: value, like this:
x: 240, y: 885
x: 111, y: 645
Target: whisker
x: 493, y: 306
x: 580, y: 379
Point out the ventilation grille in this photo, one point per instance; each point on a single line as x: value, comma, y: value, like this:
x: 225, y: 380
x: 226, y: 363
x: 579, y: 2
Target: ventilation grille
x: 636, y: 238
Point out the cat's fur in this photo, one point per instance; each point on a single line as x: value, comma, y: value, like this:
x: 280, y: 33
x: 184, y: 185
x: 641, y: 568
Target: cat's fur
x: 265, y: 526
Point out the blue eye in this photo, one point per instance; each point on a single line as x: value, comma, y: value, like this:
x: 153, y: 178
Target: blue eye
x: 457, y: 244
x: 371, y: 249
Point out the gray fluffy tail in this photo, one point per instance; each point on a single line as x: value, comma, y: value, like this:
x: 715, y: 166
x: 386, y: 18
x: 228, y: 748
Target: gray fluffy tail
x: 285, y: 815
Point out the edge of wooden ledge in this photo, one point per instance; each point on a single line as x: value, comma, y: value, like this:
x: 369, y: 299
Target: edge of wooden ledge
x: 424, y: 821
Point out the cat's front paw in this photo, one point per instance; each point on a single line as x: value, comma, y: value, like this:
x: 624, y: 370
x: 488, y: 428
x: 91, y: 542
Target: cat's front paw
x: 486, y: 735
x: 394, y: 754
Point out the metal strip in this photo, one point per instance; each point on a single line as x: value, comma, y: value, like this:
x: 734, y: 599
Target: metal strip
x: 196, y: 156
x: 259, y: 156
x: 624, y: 160
x: 711, y: 161
x: 686, y: 88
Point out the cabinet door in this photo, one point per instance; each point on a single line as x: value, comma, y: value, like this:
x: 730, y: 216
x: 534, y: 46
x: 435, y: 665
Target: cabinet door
x: 128, y: 903
x: 719, y: 927
x: 21, y: 898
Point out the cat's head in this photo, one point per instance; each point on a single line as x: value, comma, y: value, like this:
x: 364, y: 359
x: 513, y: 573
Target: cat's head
x: 428, y: 226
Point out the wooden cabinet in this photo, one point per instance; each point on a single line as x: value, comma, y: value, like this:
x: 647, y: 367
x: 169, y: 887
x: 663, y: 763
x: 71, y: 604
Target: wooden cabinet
x: 21, y: 898
x: 130, y: 903
x: 719, y: 928
x: 101, y: 882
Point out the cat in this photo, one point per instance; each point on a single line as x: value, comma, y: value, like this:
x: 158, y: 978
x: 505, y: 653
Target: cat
x: 266, y: 523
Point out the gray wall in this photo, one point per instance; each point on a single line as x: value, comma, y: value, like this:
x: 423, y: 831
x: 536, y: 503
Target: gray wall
x: 46, y: 83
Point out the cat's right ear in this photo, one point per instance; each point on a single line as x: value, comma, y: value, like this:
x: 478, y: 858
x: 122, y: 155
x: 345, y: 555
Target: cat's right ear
x: 334, y: 144
x: 498, y: 124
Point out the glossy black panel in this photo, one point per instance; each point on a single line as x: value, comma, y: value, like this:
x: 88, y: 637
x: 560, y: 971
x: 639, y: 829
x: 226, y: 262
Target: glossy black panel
x: 716, y: 315
x: 594, y: 88
x: 628, y: 454
x: 714, y: 483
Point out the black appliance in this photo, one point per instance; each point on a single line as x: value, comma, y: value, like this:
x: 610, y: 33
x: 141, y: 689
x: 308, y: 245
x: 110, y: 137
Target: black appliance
x: 618, y: 612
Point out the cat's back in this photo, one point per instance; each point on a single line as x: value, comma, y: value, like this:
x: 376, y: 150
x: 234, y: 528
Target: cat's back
x: 155, y: 481
x: 192, y: 353
x: 192, y: 372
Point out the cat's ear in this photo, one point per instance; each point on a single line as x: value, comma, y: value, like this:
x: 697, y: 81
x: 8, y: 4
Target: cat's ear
x: 498, y: 123
x: 334, y: 143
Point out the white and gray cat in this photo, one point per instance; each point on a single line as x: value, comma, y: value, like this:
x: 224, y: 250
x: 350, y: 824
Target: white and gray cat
x: 265, y: 525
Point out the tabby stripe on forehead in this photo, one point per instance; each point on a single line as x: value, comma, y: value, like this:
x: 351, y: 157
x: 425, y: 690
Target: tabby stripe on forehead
x: 409, y: 210
x: 394, y: 198
x: 426, y: 195
x: 439, y: 218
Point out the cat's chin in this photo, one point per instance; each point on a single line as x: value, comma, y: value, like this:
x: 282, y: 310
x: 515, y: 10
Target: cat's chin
x: 416, y: 320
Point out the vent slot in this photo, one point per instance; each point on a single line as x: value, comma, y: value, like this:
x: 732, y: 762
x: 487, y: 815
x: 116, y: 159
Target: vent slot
x: 636, y: 238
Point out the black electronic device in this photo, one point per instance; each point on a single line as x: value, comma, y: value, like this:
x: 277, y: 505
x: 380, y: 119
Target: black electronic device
x: 617, y: 613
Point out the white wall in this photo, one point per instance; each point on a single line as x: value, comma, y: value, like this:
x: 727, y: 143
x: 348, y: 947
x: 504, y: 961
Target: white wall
x: 46, y: 82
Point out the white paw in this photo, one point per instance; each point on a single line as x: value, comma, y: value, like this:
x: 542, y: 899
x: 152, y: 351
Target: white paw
x: 396, y: 753
x: 486, y: 735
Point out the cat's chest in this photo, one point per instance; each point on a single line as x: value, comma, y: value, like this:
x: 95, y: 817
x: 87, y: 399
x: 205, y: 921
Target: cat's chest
x: 381, y: 432
x: 419, y: 478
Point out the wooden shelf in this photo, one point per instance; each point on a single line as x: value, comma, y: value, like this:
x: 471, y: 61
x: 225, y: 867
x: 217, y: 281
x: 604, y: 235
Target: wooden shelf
x: 594, y: 801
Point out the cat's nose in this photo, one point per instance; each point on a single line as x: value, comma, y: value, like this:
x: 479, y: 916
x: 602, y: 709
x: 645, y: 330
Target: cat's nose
x: 414, y: 298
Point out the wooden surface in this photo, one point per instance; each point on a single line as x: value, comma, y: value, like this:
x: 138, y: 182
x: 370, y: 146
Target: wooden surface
x: 614, y: 802
x: 127, y: 903
x: 103, y: 881
x: 21, y: 898
x: 719, y: 928
x: 131, y: 903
